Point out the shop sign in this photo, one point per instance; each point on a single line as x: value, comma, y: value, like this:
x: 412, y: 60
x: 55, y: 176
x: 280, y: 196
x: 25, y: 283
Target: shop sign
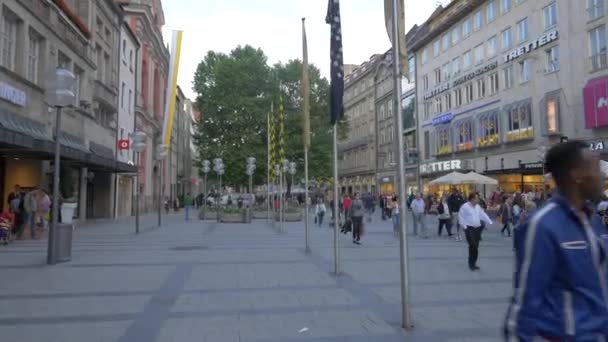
x: 596, y: 145
x: 443, y: 119
x: 450, y: 165
x: 440, y: 89
x: 123, y: 144
x: 386, y: 180
x: 475, y: 73
x: 539, y: 42
x: 12, y: 94
x: 533, y: 166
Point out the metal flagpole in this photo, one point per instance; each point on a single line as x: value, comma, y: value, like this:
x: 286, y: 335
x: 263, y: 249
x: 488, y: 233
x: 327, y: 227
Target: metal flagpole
x: 268, y: 164
x: 306, y: 209
x: 336, y: 213
x: 403, y: 250
x: 281, y: 197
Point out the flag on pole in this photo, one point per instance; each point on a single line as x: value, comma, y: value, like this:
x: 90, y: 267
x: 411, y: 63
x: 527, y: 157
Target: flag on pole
x: 176, y: 45
x: 272, y: 141
x: 305, y: 89
x: 388, y: 20
x: 281, y: 131
x: 336, y: 104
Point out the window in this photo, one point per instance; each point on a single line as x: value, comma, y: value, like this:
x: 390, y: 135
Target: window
x: 389, y: 105
x: 107, y: 68
x: 479, y: 54
x: 552, y: 115
x: 553, y: 59
x: 411, y: 69
x: 63, y: 61
x: 508, y: 76
x: 481, y: 88
x: 491, y: 11
x: 493, y: 80
x: 444, y: 140
x: 477, y: 21
x: 507, y: 39
x: 550, y: 14
x: 427, y: 143
x: 425, y: 82
x: 445, y: 71
x: 455, y: 36
x: 519, y: 2
x: 33, y: 57
x: 436, y: 48
x: 595, y: 8
x: 382, y: 112
x: 131, y: 60
x: 437, y: 76
x: 492, y: 46
x: 488, y: 130
x: 9, y: 41
x: 458, y: 97
x: 520, y: 123
x: 468, y: 93
x: 456, y: 65
x: 465, y: 135
x: 78, y: 75
x: 122, y: 95
x: 425, y: 56
x: 597, y: 41
x: 448, y: 101
x: 524, y: 71
x: 445, y: 42
x: 466, y: 60
x: 522, y: 30
x: 124, y: 51
x: 466, y: 28
x: 427, y: 110
x: 505, y: 6
x: 438, y: 105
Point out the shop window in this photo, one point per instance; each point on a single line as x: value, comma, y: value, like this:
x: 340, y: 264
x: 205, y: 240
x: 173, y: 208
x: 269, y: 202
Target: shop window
x: 444, y: 140
x: 489, y: 134
x: 519, y: 120
x: 551, y: 113
x: 464, y: 131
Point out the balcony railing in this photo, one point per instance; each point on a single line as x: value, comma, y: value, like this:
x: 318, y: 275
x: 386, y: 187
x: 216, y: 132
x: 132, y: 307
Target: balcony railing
x: 596, y: 11
x: 599, y: 61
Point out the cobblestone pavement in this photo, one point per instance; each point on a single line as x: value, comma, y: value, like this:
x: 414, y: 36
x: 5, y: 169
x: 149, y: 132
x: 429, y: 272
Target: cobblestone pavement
x: 204, y: 281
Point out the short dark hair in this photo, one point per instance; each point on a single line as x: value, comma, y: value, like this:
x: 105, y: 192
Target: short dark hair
x: 563, y: 158
x: 472, y: 195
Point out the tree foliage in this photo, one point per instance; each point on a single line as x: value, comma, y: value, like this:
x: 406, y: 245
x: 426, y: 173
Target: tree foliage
x: 235, y: 93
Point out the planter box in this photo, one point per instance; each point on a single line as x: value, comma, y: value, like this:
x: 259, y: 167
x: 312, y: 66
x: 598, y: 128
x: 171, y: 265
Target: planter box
x: 243, y: 217
x: 260, y: 215
x: 289, y: 217
x: 209, y: 215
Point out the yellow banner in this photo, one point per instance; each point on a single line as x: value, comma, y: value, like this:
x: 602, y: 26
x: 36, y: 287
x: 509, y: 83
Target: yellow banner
x: 176, y: 46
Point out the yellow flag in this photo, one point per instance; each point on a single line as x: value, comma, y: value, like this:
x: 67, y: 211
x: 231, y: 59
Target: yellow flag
x: 388, y: 19
x: 305, y: 89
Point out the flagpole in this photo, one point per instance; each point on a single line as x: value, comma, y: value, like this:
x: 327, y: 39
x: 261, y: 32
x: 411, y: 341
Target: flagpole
x: 268, y: 164
x: 336, y: 213
x: 406, y: 321
x: 306, y: 129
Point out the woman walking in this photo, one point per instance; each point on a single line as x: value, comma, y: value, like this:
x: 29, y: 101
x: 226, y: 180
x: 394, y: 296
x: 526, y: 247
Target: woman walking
x: 506, y: 216
x: 396, y: 215
x: 356, y: 212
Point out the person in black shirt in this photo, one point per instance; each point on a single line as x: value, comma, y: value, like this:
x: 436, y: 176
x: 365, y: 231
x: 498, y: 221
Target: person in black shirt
x: 455, y: 201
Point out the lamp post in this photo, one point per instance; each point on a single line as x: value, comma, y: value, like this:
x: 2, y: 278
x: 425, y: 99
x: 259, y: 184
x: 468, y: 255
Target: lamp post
x: 292, y: 171
x: 160, y: 155
x: 205, y: 170
x: 139, y: 144
x: 58, y: 94
x: 218, y: 167
x: 250, y: 169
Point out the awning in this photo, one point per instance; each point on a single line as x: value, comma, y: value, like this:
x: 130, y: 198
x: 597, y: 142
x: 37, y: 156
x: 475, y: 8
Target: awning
x: 18, y: 130
x: 595, y: 96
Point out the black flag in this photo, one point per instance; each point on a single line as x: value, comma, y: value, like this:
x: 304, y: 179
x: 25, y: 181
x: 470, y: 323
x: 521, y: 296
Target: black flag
x: 336, y: 104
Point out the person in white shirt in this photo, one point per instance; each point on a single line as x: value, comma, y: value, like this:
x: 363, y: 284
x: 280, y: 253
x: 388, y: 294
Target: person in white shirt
x: 444, y: 216
x: 320, y: 212
x: 418, y: 207
x: 470, y: 216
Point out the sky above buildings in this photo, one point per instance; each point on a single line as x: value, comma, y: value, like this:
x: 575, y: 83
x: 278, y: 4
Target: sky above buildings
x: 275, y: 27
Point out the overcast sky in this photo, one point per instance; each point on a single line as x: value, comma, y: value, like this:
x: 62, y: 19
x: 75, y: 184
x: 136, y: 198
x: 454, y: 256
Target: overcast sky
x: 275, y: 27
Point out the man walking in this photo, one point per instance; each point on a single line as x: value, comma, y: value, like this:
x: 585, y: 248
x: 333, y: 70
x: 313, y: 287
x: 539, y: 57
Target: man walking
x: 187, y: 205
x: 356, y: 213
x: 470, y: 217
x: 418, y: 208
x: 560, y: 288
x: 455, y: 201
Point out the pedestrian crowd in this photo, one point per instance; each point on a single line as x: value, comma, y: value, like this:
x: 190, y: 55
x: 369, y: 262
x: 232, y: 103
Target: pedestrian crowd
x: 26, y: 209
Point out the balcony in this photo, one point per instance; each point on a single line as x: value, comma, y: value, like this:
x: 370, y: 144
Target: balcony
x: 599, y: 61
x: 105, y: 94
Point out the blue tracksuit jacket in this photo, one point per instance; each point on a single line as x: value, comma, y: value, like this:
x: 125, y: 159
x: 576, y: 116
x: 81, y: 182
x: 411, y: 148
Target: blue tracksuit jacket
x: 561, y: 277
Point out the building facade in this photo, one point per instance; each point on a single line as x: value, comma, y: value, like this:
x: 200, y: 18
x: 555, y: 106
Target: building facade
x: 356, y: 169
x: 493, y: 86
x: 37, y: 37
x: 146, y: 18
x: 127, y: 77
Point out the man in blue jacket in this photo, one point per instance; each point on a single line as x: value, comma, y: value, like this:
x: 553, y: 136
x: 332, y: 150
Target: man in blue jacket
x: 561, y: 281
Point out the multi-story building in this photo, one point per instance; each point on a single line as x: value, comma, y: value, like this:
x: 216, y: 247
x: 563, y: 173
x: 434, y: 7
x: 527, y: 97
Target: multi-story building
x: 357, y: 166
x: 37, y: 37
x: 493, y: 86
x: 127, y: 77
x: 146, y: 18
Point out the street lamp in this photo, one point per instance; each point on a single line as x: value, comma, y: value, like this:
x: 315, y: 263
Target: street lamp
x: 160, y: 155
x: 205, y: 170
x: 218, y: 167
x: 139, y: 145
x: 58, y: 94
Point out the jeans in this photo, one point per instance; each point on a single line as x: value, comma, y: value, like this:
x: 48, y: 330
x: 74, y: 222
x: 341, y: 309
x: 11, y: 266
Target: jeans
x: 506, y: 226
x: 187, y: 209
x: 456, y: 224
x: 320, y: 218
x: 396, y: 223
x: 473, y: 235
x: 357, y: 224
x: 447, y: 222
x: 419, y: 220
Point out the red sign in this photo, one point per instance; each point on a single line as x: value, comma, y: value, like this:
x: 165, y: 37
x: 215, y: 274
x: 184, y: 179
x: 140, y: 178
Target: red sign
x: 123, y: 144
x: 595, y: 96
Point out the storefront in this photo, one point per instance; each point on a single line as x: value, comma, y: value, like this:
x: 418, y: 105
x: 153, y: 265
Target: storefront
x: 431, y: 171
x: 387, y: 185
x: 527, y: 178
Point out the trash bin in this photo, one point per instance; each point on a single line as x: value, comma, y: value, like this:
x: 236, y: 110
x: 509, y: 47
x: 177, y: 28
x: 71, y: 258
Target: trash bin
x: 63, y: 243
